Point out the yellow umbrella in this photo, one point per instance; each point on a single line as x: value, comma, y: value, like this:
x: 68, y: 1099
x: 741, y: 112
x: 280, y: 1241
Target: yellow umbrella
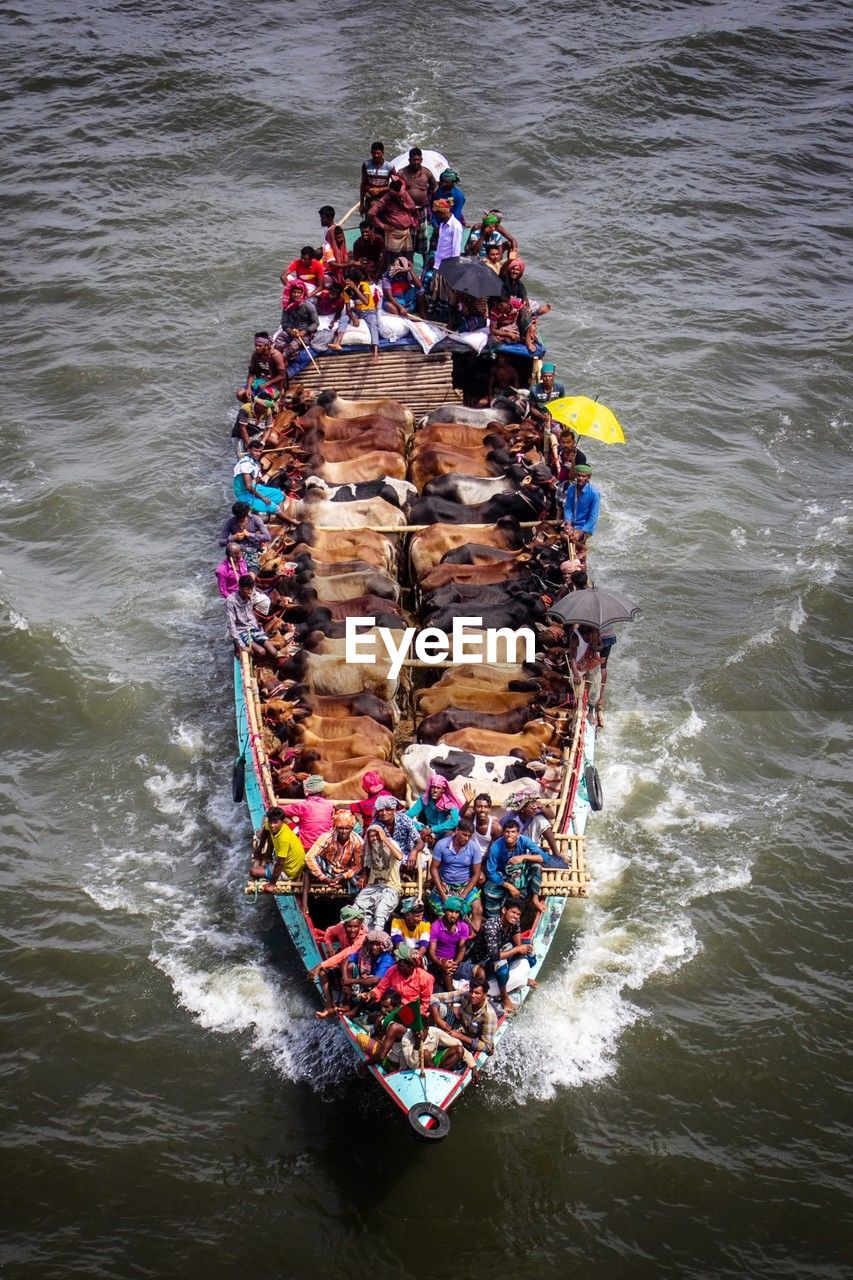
x: 588, y: 418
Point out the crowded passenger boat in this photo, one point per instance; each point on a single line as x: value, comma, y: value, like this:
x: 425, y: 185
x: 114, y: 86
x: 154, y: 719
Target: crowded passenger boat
x: 419, y: 820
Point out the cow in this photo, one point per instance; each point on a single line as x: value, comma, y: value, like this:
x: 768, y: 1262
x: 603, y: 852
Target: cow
x: 365, y: 727
x: 429, y: 546
x: 442, y: 574
x: 503, y: 409
x: 345, y: 586
x: 421, y: 443
x: 361, y: 607
x: 383, y: 487
x: 439, y: 460
x: 364, y: 513
x: 328, y: 673
x: 349, y: 788
x: 371, y: 466
x: 338, y: 770
x: 476, y: 553
x: 521, y: 611
x: 469, y: 490
x: 330, y: 546
x: 537, y: 736
x: 342, y: 450
x: 519, y: 504
x: 461, y: 592
x: 499, y: 775
x: 336, y: 407
x: 335, y: 750
x: 433, y: 728
x: 344, y: 428
x: 463, y: 437
x: 360, y: 704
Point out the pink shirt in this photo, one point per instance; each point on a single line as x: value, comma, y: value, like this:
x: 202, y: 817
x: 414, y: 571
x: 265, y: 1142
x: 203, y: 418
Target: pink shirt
x: 227, y: 577
x: 315, y: 817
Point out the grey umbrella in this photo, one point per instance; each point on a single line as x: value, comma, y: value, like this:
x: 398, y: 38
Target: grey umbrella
x: 471, y: 275
x: 595, y: 607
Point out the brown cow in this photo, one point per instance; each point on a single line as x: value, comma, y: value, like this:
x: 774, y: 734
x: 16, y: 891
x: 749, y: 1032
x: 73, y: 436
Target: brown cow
x: 336, y: 407
x: 441, y: 460
x: 337, y: 749
x: 315, y: 445
x: 429, y: 546
x: 456, y: 434
x: 372, y: 466
x: 527, y: 745
x: 441, y: 575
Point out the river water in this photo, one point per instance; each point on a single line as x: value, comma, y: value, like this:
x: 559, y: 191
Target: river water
x: 671, y: 1103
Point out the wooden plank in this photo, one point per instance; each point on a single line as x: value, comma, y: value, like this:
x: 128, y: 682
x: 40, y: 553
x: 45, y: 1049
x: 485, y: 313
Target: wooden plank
x: 420, y: 382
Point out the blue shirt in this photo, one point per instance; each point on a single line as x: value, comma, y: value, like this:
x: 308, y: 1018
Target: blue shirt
x: 540, y: 393
x: 582, y: 507
x: 456, y: 864
x: 499, y: 856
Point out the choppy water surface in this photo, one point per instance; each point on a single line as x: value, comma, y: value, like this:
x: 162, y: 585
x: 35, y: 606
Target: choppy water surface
x: 671, y: 1103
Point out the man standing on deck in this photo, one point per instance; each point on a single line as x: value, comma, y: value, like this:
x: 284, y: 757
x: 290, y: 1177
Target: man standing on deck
x: 582, y: 506
x: 397, y: 218
x: 547, y: 388
x: 375, y: 174
x: 421, y: 186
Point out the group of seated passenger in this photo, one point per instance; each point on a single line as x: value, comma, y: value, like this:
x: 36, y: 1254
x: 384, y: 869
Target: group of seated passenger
x: 476, y: 863
x: 403, y: 212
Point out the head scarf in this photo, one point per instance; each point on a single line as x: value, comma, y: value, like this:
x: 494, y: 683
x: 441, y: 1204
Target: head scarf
x: 516, y: 303
x: 549, y: 368
x: 288, y: 300
x: 410, y: 904
x: 448, y: 175
x: 343, y: 820
x: 441, y: 206
x: 385, y: 802
x: 583, y: 470
x: 388, y: 848
x: 371, y: 781
x: 519, y: 799
x: 446, y: 801
x: 380, y: 936
x: 491, y: 219
x: 400, y: 267
x: 314, y: 785
x: 351, y: 913
x: 519, y: 262
x: 452, y: 903
x: 404, y: 952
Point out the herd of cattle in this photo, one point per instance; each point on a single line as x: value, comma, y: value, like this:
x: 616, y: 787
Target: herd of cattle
x: 362, y: 470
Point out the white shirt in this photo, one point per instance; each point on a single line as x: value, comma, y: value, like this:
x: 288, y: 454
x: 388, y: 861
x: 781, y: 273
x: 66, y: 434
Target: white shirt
x: 247, y: 466
x: 449, y: 240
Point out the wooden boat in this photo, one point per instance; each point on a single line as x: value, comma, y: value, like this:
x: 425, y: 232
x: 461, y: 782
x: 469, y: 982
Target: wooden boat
x: 419, y: 381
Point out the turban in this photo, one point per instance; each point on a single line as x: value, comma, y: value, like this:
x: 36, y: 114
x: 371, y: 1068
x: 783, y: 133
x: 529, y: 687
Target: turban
x: 411, y: 904
x: 520, y: 798
x: 351, y: 913
x: 583, y: 470
x: 491, y: 219
x: 516, y: 303
x: 343, y: 820
x: 453, y: 903
x: 448, y: 175
x: 404, y: 952
x: 372, y: 781
x: 441, y: 206
x: 314, y: 785
x: 446, y: 801
x: 385, y: 802
x: 399, y: 267
x: 380, y: 936
x: 519, y: 262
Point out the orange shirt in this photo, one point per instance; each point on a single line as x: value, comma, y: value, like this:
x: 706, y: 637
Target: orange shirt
x: 418, y: 986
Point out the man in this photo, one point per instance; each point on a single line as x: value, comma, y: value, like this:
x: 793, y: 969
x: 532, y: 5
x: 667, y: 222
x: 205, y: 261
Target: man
x: 537, y: 825
x: 513, y: 868
x: 412, y: 981
x: 395, y: 215
x: 308, y: 268
x: 375, y: 175
x: 390, y: 814
x: 402, y: 291
x: 336, y: 858
x: 585, y: 660
x: 547, y: 388
x: 267, y: 375
x: 335, y: 253
x: 279, y: 851
x: 582, y: 506
x: 421, y: 186
x: 570, y: 456
x: 473, y: 1021
x: 448, y: 190
x: 314, y: 814
x: 266, y: 499
x: 455, y: 871
x: 243, y: 626
x: 490, y: 232
x: 410, y: 927
x: 345, y: 940
x: 449, y: 242
x: 368, y: 252
x: 493, y: 258
x: 381, y: 885
x: 478, y: 811
x: 498, y: 942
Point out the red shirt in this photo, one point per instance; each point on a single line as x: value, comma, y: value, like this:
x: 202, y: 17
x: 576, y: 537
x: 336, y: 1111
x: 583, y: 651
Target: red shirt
x: 312, y: 275
x: 418, y: 986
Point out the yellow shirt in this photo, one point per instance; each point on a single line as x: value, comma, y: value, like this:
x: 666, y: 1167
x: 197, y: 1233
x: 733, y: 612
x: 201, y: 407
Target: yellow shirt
x: 400, y: 933
x: 289, y: 848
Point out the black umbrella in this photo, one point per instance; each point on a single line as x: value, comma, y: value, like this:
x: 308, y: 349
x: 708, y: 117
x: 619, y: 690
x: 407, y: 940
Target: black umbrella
x: 595, y: 607
x: 472, y: 276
